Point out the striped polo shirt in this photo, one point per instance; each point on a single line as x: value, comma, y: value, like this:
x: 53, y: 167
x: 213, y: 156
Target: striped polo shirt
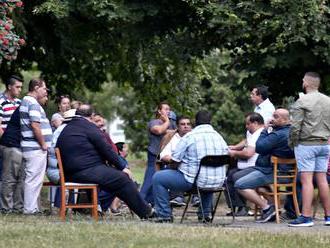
x: 7, y: 108
x: 31, y: 111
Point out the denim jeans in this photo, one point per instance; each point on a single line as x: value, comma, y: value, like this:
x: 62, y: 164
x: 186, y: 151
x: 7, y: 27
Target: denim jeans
x: 174, y: 180
x: 253, y: 179
x: 146, y: 189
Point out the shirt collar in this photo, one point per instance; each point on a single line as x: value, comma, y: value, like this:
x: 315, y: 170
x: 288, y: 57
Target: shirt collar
x: 266, y: 102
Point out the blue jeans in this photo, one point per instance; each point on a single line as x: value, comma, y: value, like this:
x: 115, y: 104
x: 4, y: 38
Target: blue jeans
x: 174, y: 180
x: 146, y: 189
x: 253, y: 179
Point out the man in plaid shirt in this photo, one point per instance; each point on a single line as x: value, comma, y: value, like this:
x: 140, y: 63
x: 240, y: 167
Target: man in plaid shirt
x: 201, y: 141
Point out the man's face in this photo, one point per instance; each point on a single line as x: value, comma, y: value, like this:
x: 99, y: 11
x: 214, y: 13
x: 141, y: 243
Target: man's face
x: 15, y: 89
x: 43, y: 101
x: 255, y: 98
x: 165, y: 110
x: 41, y: 92
x: 184, y: 127
x: 124, y: 152
x: 305, y: 83
x: 277, y: 120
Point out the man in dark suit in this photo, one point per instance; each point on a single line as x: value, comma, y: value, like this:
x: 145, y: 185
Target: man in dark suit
x: 88, y: 158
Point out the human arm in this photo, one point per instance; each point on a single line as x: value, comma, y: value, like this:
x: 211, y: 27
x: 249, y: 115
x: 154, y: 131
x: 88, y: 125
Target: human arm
x: 159, y: 129
x: 266, y: 142
x: 238, y: 146
x: 38, y: 135
x: 246, y: 153
x: 297, y: 115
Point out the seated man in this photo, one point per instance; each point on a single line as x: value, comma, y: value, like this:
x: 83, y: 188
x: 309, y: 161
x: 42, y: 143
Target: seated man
x: 88, y: 158
x: 183, y: 127
x: 201, y: 141
x: 246, y: 155
x: 274, y: 143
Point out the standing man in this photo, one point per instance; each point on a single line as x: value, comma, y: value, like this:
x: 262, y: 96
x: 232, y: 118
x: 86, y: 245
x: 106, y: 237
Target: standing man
x: 201, y: 141
x: 36, y: 138
x: 8, y: 103
x: 309, y: 136
x: 263, y: 106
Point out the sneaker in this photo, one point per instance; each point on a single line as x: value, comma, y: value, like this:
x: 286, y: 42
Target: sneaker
x: 115, y: 212
x: 242, y: 211
x: 327, y: 220
x: 177, y: 202
x: 207, y: 219
x: 195, y: 201
x: 302, y: 221
x: 267, y: 214
x: 163, y: 220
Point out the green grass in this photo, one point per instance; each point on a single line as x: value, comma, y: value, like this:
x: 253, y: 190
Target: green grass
x: 17, y: 231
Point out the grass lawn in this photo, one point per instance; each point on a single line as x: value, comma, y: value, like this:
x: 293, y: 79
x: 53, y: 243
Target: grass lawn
x: 48, y: 231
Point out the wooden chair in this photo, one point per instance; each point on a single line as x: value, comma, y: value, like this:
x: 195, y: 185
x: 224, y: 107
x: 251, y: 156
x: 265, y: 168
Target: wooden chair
x: 209, y: 161
x: 72, y: 186
x: 282, y: 180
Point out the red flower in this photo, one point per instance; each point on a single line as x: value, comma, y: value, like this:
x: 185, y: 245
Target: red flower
x: 7, y: 27
x: 21, y: 42
x: 5, y: 42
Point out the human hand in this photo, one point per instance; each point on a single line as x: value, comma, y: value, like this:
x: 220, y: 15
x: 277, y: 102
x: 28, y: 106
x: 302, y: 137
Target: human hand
x: 164, y: 118
x: 128, y: 173
x: 44, y: 147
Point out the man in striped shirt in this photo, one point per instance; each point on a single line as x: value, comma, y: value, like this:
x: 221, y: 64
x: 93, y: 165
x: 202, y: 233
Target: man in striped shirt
x: 8, y: 103
x: 36, y: 138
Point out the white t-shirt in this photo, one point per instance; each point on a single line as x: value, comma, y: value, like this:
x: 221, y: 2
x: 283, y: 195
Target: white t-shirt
x: 266, y: 110
x: 170, y: 147
x: 251, y: 140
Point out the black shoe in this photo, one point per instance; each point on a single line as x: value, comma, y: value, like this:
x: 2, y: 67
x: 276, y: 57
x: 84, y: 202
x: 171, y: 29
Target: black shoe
x: 163, y: 220
x: 207, y: 219
x: 115, y: 212
x: 242, y: 211
x: 267, y: 214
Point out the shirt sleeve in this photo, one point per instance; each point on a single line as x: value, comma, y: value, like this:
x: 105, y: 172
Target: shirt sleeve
x: 297, y: 117
x: 167, y: 150
x: 180, y: 149
x: 34, y: 112
x: 266, y: 142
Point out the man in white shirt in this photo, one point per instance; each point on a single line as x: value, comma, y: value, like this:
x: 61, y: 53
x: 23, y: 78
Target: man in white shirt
x: 263, y: 106
x: 246, y: 157
x: 183, y: 126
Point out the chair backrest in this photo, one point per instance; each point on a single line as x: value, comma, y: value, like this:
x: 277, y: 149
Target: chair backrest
x: 60, y: 166
x: 289, y: 175
x: 214, y: 161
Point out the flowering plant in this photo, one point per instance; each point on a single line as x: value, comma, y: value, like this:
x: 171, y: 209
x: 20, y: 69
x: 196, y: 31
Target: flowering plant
x: 10, y: 42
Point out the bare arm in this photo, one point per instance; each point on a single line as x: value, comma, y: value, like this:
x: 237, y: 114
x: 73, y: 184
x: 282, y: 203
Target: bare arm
x: 246, y: 153
x: 160, y: 129
x: 238, y: 146
x: 38, y: 135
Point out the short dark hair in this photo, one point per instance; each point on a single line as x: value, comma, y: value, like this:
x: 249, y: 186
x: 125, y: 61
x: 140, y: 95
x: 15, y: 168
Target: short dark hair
x: 255, y: 117
x: 85, y: 110
x: 59, y: 99
x: 203, y: 117
x: 262, y: 90
x: 12, y: 80
x: 182, y: 117
x: 120, y: 146
x: 35, y: 82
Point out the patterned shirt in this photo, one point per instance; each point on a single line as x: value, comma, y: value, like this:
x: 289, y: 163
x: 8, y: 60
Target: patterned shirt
x: 7, y: 108
x: 201, y: 141
x: 31, y: 111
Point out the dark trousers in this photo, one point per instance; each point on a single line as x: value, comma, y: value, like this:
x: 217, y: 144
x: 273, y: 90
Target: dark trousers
x: 232, y: 176
x: 146, y: 189
x: 115, y: 182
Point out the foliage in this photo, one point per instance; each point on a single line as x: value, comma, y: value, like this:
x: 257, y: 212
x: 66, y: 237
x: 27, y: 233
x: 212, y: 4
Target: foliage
x: 10, y: 42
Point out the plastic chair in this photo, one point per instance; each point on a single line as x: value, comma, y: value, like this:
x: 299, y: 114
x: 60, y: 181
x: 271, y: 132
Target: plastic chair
x: 282, y: 180
x: 209, y: 161
x: 72, y: 186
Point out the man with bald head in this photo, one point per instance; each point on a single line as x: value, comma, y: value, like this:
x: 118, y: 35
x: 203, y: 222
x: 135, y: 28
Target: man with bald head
x: 309, y: 136
x: 268, y: 144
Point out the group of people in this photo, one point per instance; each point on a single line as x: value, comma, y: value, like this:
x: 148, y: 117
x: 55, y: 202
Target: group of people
x: 28, y: 140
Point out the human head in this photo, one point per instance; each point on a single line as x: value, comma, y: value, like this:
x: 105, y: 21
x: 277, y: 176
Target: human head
x: 99, y: 121
x: 14, y: 86
x: 56, y: 120
x: 253, y: 122
x: 281, y: 117
x: 311, y: 81
x: 63, y: 103
x: 184, y: 125
x: 203, y: 117
x: 38, y: 88
x: 259, y: 94
x: 75, y: 104
x: 85, y: 110
x: 163, y: 108
x: 122, y: 149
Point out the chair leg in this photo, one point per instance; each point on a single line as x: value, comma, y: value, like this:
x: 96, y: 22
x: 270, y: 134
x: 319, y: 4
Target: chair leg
x: 215, y: 206
x: 201, y: 205
x: 186, y: 207
x: 94, y: 210
x: 276, y: 202
x: 63, y: 204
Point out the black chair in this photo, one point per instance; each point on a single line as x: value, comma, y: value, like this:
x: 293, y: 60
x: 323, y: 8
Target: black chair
x: 209, y: 161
